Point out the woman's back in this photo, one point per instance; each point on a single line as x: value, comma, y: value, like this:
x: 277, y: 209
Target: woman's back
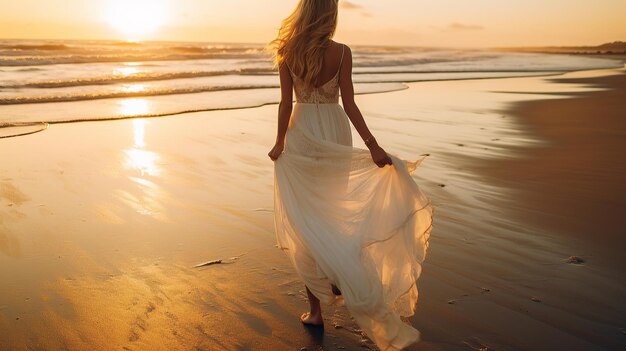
x: 326, y: 85
x: 331, y: 64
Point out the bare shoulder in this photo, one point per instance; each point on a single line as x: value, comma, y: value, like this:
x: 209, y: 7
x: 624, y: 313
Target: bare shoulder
x: 340, y: 49
x: 341, y: 46
x: 348, y: 51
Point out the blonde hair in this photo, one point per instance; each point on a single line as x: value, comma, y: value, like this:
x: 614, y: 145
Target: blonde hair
x: 304, y: 36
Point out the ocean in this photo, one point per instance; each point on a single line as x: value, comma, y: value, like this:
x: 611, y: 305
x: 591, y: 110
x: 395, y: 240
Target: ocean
x: 59, y: 81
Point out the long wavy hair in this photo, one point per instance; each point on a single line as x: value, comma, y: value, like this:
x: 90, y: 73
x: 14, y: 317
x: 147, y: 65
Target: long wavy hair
x: 304, y: 36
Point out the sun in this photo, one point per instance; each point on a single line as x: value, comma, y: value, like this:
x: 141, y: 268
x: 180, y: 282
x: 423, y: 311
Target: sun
x: 136, y: 18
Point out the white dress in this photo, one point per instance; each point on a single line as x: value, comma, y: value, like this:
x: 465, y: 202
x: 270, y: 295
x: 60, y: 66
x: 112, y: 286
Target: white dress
x: 343, y: 220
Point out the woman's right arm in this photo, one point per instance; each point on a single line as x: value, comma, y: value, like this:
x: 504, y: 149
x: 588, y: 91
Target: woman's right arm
x: 379, y: 156
x: 284, y: 111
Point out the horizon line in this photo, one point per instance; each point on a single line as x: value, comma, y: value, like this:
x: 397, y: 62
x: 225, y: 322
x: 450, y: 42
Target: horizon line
x: 363, y: 45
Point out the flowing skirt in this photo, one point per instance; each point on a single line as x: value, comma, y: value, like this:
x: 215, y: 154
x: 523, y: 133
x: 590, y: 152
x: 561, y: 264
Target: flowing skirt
x: 344, y: 221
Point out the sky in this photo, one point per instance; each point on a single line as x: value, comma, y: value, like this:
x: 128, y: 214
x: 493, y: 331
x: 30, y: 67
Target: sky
x: 458, y: 23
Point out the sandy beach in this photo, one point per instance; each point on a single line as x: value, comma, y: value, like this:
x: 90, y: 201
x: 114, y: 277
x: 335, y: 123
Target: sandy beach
x: 580, y: 174
x: 103, y: 223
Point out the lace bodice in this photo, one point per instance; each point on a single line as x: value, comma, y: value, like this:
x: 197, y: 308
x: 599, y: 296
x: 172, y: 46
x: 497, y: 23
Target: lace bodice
x: 327, y: 93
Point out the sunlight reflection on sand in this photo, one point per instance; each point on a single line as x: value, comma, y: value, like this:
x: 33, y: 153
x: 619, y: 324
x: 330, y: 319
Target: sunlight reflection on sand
x: 146, y: 197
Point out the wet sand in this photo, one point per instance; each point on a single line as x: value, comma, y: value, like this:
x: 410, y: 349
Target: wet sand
x: 102, y: 223
x: 575, y: 183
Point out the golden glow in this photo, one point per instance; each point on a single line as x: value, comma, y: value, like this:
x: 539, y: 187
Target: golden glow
x: 139, y: 127
x: 137, y: 158
x: 145, y: 198
x: 132, y: 107
x: 477, y: 23
x: 125, y: 71
x: 136, y: 18
x: 143, y: 161
x: 133, y: 88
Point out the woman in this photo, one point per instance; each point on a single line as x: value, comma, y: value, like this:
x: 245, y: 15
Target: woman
x: 355, y: 230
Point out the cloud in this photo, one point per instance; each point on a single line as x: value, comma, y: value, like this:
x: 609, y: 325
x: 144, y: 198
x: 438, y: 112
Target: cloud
x: 349, y: 5
x: 463, y: 26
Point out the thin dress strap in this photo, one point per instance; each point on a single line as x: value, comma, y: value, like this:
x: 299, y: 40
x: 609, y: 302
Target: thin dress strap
x: 343, y: 48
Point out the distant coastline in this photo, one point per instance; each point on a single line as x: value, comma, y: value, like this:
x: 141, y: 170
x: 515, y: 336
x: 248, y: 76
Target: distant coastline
x: 616, y: 49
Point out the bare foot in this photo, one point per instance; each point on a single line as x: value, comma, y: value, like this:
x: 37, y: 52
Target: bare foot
x: 310, y: 319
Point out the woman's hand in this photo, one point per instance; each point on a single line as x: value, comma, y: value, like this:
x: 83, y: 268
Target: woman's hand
x: 276, y: 151
x: 379, y: 156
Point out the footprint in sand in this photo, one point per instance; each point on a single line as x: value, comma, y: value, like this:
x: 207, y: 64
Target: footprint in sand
x: 12, y: 194
x: 575, y: 260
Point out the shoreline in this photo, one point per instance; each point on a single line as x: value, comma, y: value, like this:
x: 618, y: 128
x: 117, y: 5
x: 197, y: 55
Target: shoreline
x: 582, y: 162
x: 137, y: 105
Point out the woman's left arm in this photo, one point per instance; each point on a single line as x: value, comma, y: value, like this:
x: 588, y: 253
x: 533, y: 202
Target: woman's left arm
x: 284, y: 110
